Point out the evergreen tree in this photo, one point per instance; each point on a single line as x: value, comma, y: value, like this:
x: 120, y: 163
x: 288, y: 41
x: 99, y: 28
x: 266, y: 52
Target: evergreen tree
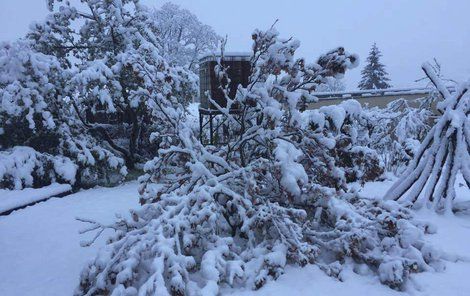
x: 374, y: 75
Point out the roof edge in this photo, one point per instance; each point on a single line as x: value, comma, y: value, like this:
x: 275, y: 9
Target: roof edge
x: 229, y: 54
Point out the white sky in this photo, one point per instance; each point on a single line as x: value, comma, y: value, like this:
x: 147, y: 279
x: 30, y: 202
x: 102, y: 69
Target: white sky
x: 408, y: 32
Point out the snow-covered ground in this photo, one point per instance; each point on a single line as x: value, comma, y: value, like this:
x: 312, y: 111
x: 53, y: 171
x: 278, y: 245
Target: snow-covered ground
x: 40, y: 252
x: 453, y: 237
x: 13, y: 199
x: 39, y: 245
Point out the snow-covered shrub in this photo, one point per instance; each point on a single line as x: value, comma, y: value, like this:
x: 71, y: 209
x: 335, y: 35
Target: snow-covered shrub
x: 26, y: 90
x: 239, y: 213
x: 379, y: 234
x: 359, y: 161
x: 22, y: 167
x: 396, y: 131
x: 332, y: 85
x: 36, y: 112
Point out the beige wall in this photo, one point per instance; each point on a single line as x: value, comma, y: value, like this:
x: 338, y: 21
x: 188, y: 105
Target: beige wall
x: 371, y: 101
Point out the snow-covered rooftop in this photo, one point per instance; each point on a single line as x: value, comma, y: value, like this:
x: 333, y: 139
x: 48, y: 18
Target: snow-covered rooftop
x: 232, y: 55
x: 375, y: 92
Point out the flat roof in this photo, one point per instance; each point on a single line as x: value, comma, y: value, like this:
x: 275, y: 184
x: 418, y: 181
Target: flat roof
x: 375, y: 93
x: 372, y: 92
x: 230, y: 56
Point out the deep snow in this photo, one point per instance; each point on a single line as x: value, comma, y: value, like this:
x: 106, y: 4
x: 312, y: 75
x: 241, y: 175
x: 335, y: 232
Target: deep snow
x: 40, y: 252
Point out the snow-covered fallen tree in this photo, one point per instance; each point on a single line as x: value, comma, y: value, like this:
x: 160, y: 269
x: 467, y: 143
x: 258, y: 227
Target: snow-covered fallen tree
x: 274, y: 195
x: 444, y: 154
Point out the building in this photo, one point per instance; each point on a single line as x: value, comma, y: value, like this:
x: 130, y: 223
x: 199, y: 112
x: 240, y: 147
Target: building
x: 372, y: 98
x: 238, y: 70
x: 212, y: 124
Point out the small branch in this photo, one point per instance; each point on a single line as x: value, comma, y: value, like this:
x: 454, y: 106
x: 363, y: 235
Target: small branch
x: 93, y: 225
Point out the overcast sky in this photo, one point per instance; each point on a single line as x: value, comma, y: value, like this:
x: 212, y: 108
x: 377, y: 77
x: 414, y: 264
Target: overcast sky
x: 408, y: 32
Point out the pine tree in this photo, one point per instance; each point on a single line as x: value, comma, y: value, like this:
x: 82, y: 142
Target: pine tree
x: 374, y: 75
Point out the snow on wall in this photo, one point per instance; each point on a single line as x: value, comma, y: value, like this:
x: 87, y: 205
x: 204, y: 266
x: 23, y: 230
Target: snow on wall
x: 21, y: 165
x: 13, y: 199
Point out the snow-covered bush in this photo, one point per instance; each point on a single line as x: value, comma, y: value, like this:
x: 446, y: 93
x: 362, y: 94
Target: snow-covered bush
x: 352, y: 154
x: 35, y: 111
x: 27, y: 86
x: 396, y: 131
x: 27, y: 89
x: 22, y: 167
x: 332, y: 85
x: 239, y: 213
